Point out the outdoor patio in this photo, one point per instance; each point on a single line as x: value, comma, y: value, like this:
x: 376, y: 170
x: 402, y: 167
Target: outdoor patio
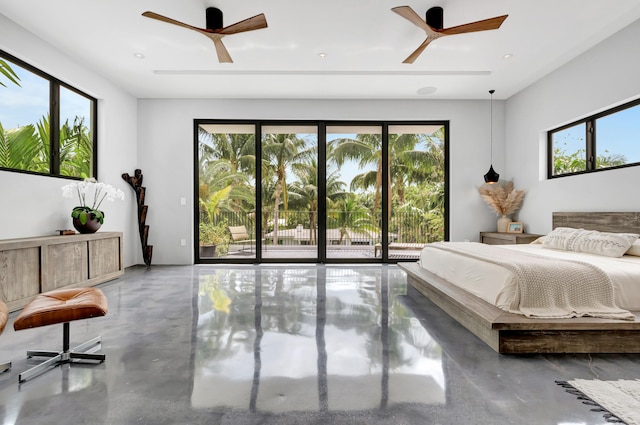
x: 311, y: 252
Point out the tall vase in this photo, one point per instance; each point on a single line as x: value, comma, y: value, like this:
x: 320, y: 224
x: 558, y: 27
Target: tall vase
x: 503, y: 223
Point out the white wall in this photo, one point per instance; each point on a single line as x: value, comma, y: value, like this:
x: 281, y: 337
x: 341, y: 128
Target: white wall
x: 33, y: 205
x: 603, y: 77
x: 165, y: 137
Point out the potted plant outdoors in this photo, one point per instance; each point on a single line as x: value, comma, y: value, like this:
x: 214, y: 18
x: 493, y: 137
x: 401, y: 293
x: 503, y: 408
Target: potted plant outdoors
x: 88, y: 219
x: 213, y: 238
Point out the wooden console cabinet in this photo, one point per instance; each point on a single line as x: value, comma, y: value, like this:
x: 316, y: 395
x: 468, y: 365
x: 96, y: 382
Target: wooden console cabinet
x: 31, y: 266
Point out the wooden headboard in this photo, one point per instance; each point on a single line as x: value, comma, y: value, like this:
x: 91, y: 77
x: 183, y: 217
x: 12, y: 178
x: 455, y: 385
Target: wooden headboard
x: 617, y: 222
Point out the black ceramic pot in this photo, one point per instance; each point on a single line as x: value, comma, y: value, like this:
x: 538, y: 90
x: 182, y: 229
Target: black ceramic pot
x: 91, y: 226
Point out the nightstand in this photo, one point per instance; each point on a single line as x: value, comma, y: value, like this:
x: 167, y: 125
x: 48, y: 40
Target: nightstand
x: 495, y: 238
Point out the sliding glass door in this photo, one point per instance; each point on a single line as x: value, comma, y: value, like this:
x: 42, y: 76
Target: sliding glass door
x: 289, y: 188
x: 226, y: 182
x: 416, y: 189
x: 319, y: 192
x: 354, y: 191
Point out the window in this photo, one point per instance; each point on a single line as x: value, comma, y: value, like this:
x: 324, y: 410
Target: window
x: 607, y: 140
x: 46, y: 126
x: 317, y: 191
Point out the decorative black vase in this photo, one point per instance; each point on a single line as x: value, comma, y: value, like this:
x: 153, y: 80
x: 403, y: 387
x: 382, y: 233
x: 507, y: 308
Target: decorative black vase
x: 91, y: 226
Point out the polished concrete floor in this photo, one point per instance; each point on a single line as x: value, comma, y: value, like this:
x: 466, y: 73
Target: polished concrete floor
x: 288, y: 344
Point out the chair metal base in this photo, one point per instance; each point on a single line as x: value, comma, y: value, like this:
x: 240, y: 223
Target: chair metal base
x: 78, y: 354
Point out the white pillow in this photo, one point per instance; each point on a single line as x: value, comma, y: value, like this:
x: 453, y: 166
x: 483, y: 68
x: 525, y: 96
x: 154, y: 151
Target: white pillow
x: 590, y: 241
x: 634, y: 249
x: 559, y: 238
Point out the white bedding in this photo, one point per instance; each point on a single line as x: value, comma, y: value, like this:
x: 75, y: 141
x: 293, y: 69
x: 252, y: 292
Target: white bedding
x: 496, y: 285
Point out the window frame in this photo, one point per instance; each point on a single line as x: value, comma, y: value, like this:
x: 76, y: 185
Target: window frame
x: 54, y: 121
x: 322, y: 126
x: 591, y: 152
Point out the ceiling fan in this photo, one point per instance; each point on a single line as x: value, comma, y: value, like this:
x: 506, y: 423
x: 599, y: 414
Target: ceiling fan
x: 214, y: 29
x: 433, y: 26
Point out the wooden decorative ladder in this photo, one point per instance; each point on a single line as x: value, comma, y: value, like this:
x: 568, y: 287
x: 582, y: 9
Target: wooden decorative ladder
x: 136, y: 183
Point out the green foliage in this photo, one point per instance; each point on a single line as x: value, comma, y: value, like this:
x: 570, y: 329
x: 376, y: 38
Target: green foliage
x: 27, y: 148
x: 76, y: 149
x: 290, y: 181
x: 19, y: 148
x: 564, y: 163
x: 215, y: 234
x: 9, y: 74
x: 85, y: 213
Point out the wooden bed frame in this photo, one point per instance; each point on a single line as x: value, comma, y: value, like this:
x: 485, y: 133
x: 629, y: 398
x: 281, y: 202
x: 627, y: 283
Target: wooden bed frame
x: 509, y: 333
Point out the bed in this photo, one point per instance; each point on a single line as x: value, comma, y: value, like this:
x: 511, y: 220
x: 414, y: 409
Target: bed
x: 510, y: 333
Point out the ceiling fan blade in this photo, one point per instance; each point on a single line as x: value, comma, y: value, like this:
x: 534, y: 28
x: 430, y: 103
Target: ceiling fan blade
x: 254, y: 23
x: 155, y: 16
x: 410, y: 15
x: 223, y: 53
x: 484, y: 25
x: 413, y: 56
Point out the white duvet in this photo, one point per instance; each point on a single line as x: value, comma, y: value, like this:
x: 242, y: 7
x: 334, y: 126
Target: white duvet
x: 496, y: 285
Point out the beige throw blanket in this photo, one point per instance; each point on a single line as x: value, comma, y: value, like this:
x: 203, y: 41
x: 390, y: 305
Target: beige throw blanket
x: 546, y: 287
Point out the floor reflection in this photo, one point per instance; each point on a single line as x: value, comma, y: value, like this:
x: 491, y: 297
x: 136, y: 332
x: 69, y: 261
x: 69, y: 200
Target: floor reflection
x: 311, y: 339
x: 53, y: 397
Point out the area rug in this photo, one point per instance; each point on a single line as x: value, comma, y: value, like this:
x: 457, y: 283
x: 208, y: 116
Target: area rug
x: 618, y: 401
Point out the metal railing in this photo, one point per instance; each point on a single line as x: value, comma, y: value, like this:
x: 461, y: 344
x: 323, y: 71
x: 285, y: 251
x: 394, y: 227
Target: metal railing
x: 344, y: 228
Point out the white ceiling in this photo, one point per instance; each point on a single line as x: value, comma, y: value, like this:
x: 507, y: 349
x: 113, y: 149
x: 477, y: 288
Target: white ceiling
x: 364, y: 41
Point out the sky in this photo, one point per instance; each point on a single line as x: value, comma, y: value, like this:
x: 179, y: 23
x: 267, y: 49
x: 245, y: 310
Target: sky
x: 617, y: 133
x: 28, y: 103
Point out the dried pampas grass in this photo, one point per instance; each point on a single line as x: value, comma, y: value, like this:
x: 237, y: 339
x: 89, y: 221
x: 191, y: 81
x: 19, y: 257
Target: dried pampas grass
x: 502, y: 198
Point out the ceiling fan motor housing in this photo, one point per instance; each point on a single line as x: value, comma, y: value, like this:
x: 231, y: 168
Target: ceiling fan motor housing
x: 435, y: 17
x: 214, y: 18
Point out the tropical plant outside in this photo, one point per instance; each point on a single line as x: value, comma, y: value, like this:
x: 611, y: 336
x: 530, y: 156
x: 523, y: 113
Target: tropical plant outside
x: 27, y: 147
x: 8, y: 73
x: 290, y: 186
x: 564, y: 163
x: 215, y: 235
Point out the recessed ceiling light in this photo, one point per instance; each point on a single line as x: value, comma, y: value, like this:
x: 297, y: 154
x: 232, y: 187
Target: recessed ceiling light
x: 507, y: 56
x: 138, y: 55
x: 322, y: 55
x: 424, y: 91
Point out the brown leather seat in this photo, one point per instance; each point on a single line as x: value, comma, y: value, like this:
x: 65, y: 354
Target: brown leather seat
x: 62, y: 305
x: 4, y: 317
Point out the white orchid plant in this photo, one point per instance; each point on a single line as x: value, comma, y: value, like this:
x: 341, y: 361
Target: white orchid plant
x: 83, y: 190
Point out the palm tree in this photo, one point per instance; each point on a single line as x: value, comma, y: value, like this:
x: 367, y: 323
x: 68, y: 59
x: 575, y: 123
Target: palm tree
x: 410, y: 163
x: 348, y: 214
x: 26, y: 148
x: 226, y: 167
x: 281, y: 151
x: 305, y: 190
x: 412, y: 159
x: 9, y: 73
x: 366, y: 149
x: 268, y: 189
x: 17, y: 147
x: 220, y: 188
x: 407, y: 162
x: 237, y: 148
x: 76, y: 149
